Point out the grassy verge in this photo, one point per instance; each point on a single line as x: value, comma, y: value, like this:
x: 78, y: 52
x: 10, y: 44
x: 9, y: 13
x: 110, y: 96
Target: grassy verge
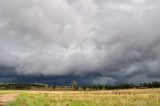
x: 5, y: 92
x: 150, y: 97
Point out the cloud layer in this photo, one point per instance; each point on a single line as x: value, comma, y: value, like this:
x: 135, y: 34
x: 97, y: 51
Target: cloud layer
x: 119, y: 39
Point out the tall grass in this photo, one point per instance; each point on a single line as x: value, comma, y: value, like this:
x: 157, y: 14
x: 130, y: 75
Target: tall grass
x: 136, y: 97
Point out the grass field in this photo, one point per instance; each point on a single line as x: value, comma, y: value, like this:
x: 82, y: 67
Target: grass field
x: 132, y: 97
x: 5, y: 91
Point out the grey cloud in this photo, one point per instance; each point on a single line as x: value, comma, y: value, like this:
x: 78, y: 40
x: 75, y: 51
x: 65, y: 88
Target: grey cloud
x: 118, y: 39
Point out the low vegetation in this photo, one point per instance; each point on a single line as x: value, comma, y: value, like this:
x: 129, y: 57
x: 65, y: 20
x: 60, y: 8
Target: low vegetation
x: 130, y: 97
x: 5, y: 91
x: 35, y: 94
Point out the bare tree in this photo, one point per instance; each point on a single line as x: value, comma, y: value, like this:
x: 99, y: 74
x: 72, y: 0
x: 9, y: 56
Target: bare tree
x: 74, y: 85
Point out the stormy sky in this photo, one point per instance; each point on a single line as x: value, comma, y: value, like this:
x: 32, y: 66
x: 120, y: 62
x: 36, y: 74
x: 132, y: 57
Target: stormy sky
x: 99, y: 41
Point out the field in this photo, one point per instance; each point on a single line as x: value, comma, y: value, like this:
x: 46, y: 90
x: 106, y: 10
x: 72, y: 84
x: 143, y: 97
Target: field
x: 131, y: 97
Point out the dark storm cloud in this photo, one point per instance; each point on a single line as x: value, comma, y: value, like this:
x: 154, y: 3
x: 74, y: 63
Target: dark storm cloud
x: 118, y: 39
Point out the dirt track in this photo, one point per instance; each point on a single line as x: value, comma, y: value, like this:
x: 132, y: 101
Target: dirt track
x: 7, y: 97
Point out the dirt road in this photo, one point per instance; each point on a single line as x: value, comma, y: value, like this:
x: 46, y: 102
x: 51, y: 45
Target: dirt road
x: 5, y: 98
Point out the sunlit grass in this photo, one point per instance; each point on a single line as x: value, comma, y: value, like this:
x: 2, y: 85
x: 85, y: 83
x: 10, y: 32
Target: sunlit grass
x: 5, y: 91
x: 137, y: 97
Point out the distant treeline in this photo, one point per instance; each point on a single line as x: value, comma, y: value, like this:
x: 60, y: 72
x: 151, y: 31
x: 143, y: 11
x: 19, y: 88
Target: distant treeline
x: 154, y: 84
x: 74, y: 86
x: 18, y: 86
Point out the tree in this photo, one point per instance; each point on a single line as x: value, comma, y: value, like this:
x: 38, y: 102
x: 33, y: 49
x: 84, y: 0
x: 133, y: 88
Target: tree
x: 84, y: 88
x: 74, y: 85
x: 54, y: 87
x: 100, y: 87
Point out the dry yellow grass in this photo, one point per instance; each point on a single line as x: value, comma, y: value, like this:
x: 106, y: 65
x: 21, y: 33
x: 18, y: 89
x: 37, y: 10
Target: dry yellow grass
x: 131, y: 97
